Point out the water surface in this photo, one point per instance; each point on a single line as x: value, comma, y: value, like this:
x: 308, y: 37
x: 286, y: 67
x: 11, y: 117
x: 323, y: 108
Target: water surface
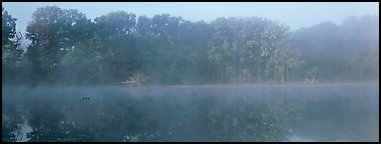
x: 326, y: 112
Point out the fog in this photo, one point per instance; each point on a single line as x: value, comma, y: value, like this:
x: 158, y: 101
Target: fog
x: 171, y: 113
x: 133, y: 72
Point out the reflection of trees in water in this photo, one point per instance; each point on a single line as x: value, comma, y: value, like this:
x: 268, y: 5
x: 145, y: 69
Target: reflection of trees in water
x: 12, y: 120
x: 339, y: 117
x: 169, y: 118
x: 193, y: 117
x: 252, y: 119
x: 9, y: 125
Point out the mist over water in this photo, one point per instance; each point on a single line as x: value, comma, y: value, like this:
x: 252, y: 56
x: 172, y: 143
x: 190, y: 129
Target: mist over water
x: 344, y: 112
x: 259, y: 72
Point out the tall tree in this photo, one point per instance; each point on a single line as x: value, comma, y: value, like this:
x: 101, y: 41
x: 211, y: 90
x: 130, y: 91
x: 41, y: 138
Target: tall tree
x: 53, y: 32
x: 221, y: 45
x: 11, y: 52
x: 116, y: 31
x: 341, y: 52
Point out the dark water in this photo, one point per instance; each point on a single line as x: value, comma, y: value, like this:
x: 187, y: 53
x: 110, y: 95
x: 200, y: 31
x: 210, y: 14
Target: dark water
x: 345, y: 112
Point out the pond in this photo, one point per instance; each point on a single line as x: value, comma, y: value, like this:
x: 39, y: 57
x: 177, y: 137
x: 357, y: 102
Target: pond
x: 320, y: 112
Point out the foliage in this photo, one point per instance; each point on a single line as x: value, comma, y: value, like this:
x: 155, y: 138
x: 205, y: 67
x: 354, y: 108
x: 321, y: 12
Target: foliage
x: 54, y: 32
x: 68, y: 48
x: 11, y: 53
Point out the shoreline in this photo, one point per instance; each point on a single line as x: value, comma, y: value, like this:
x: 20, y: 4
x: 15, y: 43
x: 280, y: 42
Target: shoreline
x: 201, y: 85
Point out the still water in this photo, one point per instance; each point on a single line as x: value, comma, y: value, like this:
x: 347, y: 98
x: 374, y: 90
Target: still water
x: 325, y: 112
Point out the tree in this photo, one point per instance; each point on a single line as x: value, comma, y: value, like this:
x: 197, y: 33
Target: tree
x: 361, y: 36
x: 115, y: 24
x: 8, y: 30
x: 311, y: 73
x: 171, y: 50
x: 11, y: 52
x: 86, y: 63
x: 321, y: 46
x: 220, y: 50
x: 193, y: 39
x: 122, y: 56
x: 342, y: 52
x: 53, y: 32
x: 68, y: 47
x: 240, y: 44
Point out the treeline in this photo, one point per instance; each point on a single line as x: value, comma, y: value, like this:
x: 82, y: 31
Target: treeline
x: 68, y: 48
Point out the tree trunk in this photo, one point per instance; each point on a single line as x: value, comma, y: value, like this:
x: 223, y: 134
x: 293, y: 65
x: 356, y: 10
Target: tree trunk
x: 282, y: 73
x: 222, y: 73
x: 259, y: 74
x: 275, y: 75
x: 240, y: 72
x: 287, y: 78
x: 208, y: 71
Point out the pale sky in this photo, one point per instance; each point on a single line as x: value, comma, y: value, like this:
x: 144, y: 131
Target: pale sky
x: 294, y: 14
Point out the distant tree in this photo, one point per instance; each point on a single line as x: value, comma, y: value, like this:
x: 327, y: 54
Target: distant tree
x: 8, y: 29
x: 53, y: 32
x: 243, y: 46
x: 68, y: 47
x: 86, y: 63
x: 192, y: 40
x: 321, y: 46
x: 276, y: 49
x: 173, y: 47
x: 311, y: 73
x: 11, y: 52
x: 254, y: 52
x: 121, y: 55
x: 221, y: 49
x: 362, y: 42
x: 115, y: 24
x: 342, y: 52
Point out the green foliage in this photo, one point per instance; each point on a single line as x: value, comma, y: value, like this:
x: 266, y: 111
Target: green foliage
x: 311, y: 73
x: 268, y: 113
x: 342, y: 52
x: 246, y: 119
x: 11, y: 120
x: 247, y: 45
x: 79, y: 63
x: 66, y: 47
x: 113, y: 114
x: 8, y: 28
x: 11, y: 52
x: 53, y: 33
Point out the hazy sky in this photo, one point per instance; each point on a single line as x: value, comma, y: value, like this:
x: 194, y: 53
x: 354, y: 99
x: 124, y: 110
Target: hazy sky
x: 294, y: 14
